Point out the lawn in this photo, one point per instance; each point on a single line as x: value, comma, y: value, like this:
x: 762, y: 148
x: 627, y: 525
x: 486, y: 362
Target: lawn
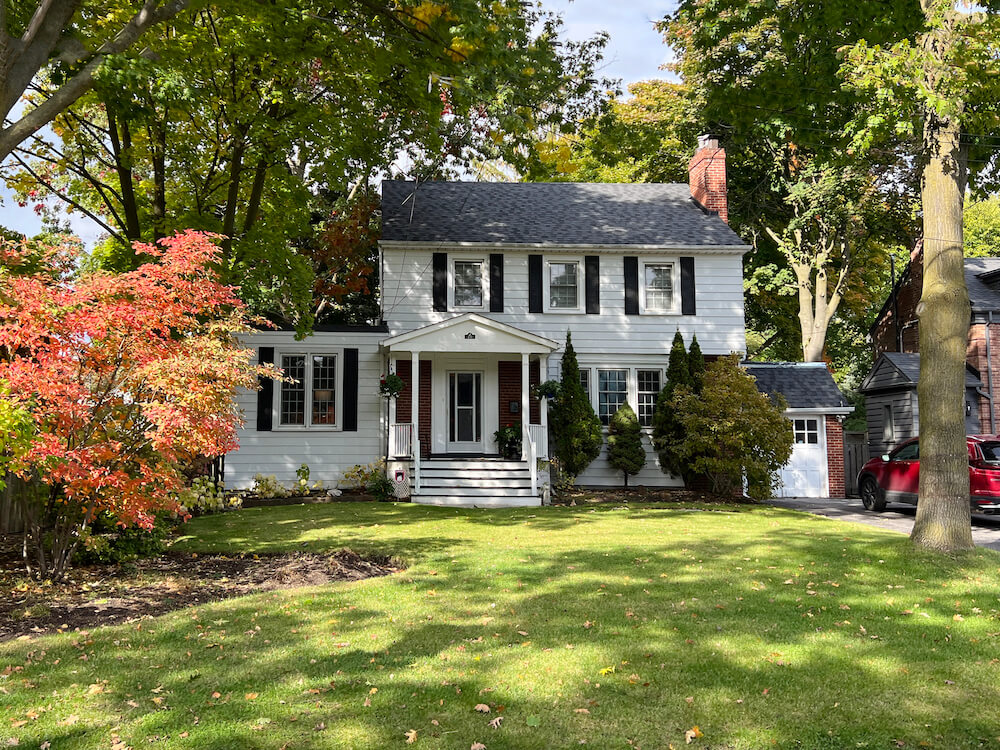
x: 607, y: 626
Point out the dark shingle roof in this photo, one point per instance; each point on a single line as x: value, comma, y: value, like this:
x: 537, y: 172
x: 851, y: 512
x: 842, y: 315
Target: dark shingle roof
x: 983, y: 292
x: 552, y: 213
x: 805, y: 385
x: 909, y: 365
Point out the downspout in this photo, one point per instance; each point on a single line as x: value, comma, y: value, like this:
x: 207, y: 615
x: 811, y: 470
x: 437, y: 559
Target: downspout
x: 989, y: 374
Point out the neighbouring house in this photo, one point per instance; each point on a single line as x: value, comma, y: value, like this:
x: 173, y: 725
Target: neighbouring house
x: 480, y: 283
x: 817, y: 409
x: 896, y: 329
x: 892, y: 411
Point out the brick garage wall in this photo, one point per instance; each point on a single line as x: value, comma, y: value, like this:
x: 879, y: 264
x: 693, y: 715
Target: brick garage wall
x: 835, y: 456
x: 509, y: 377
x: 404, y: 402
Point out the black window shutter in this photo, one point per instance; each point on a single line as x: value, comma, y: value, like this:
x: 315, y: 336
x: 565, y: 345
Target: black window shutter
x: 496, y: 282
x: 631, y: 285
x: 350, y: 390
x: 265, y: 396
x: 440, y: 263
x: 687, y: 286
x: 534, y: 283
x: 592, y: 268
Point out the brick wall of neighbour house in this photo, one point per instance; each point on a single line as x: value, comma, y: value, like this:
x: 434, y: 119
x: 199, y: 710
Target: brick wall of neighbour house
x: 509, y: 376
x: 976, y: 356
x: 907, y: 298
x: 404, y: 403
x: 707, y: 176
x: 835, y: 457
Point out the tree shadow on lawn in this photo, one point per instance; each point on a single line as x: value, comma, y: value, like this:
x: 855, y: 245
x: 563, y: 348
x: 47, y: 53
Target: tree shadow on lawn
x: 764, y: 661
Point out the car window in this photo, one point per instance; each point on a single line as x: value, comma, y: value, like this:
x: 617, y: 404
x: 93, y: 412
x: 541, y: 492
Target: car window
x: 991, y: 452
x: 909, y: 452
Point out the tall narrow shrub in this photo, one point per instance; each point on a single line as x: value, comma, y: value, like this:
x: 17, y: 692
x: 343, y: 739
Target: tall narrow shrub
x: 625, y: 450
x: 666, y: 429
x: 577, y: 429
x: 696, y: 365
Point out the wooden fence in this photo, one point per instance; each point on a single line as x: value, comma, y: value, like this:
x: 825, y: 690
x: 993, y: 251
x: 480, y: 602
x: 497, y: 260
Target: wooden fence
x: 855, y: 456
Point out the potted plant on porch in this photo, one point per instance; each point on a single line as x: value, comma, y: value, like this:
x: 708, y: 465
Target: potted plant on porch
x: 508, y: 439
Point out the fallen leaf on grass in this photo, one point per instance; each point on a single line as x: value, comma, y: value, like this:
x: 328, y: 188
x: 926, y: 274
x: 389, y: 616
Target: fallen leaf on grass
x: 477, y: 746
x: 495, y: 723
x: 251, y: 696
x: 581, y: 711
x: 411, y: 736
x: 482, y: 708
x: 69, y: 720
x: 692, y: 734
x: 45, y: 745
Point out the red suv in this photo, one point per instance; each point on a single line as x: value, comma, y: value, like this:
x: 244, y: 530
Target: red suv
x: 895, y: 477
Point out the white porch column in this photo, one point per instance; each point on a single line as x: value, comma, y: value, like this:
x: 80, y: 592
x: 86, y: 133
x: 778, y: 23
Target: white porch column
x: 415, y: 390
x: 543, y: 403
x: 525, y: 405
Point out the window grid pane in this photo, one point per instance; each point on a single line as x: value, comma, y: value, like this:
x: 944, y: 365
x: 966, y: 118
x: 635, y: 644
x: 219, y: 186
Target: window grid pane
x: 585, y: 382
x: 648, y: 390
x: 293, y: 395
x: 324, y: 389
x: 611, y: 392
x: 659, y: 287
x: 806, y: 431
x: 469, y: 283
x: 563, y: 285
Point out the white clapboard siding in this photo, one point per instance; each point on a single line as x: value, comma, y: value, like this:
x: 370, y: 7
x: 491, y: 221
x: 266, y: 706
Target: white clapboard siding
x: 719, y: 323
x: 602, y: 474
x: 327, y: 452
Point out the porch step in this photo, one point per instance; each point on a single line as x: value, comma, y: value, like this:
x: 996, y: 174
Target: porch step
x: 485, y: 501
x: 475, y: 482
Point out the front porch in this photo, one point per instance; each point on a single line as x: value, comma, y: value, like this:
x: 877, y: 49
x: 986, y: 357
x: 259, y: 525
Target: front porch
x: 465, y: 379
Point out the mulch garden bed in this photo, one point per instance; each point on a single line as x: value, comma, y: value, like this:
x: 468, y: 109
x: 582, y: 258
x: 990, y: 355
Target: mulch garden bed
x: 116, y: 594
x: 618, y: 495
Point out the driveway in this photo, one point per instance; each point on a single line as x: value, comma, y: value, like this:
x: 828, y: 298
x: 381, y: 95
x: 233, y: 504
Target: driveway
x: 985, y: 529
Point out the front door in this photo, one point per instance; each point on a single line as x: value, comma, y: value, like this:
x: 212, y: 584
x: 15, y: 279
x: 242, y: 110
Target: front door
x: 465, y: 419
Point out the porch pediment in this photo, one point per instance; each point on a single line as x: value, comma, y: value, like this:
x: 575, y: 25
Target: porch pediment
x: 472, y: 333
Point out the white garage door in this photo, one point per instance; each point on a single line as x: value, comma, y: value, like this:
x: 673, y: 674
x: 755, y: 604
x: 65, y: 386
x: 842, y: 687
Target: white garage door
x: 805, y: 474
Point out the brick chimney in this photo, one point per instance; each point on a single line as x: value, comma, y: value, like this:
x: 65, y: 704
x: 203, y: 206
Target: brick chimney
x: 707, y: 176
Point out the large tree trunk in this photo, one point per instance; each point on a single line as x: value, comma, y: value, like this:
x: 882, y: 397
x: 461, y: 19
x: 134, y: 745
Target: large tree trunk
x: 943, y: 516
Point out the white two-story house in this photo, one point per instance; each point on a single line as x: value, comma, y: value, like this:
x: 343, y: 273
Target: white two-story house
x: 480, y: 283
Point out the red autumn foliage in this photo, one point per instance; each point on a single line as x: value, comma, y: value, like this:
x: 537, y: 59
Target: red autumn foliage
x: 125, y: 376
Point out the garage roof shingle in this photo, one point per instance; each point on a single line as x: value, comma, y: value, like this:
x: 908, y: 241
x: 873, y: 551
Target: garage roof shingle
x: 805, y: 385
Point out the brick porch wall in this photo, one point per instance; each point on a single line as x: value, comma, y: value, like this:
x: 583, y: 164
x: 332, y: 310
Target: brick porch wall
x: 404, y: 402
x: 509, y: 377
x: 835, y: 457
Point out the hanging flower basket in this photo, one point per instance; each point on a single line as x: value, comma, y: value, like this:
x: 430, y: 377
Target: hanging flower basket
x: 391, y: 385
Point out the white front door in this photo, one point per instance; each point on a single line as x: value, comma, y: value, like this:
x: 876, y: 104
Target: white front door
x: 805, y: 474
x: 465, y: 418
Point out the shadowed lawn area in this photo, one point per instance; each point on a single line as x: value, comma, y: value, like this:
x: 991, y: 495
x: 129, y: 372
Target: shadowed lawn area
x: 619, y: 627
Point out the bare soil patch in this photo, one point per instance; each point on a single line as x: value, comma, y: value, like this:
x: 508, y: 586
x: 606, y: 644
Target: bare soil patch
x: 116, y: 594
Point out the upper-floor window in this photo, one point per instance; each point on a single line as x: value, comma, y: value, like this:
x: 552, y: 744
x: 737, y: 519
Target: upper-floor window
x: 468, y: 285
x: 564, y: 285
x: 647, y: 389
x: 310, y: 398
x: 658, y: 284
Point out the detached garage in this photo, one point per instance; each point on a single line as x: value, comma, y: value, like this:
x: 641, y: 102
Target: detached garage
x: 816, y: 409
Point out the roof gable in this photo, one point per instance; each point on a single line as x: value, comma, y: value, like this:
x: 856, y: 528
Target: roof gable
x: 473, y: 333
x: 902, y: 370
x: 805, y: 385
x: 550, y: 213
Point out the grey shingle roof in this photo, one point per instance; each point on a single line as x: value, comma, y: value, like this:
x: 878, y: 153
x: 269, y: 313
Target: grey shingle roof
x: 552, y: 213
x: 805, y: 385
x: 983, y: 295
x: 909, y: 365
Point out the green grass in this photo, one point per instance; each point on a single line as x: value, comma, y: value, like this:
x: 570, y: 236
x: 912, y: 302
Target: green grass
x: 622, y: 628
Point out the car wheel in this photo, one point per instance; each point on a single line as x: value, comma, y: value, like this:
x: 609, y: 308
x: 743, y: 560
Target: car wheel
x: 871, y: 495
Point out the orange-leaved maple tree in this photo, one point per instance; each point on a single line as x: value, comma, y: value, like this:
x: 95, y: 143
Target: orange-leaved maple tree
x: 125, y: 376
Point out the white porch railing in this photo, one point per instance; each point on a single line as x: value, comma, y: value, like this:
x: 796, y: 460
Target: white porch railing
x: 400, y: 437
x: 530, y: 454
x: 540, y: 437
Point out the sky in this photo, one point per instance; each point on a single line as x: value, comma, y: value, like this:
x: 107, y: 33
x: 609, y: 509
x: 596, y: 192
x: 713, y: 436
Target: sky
x: 635, y: 52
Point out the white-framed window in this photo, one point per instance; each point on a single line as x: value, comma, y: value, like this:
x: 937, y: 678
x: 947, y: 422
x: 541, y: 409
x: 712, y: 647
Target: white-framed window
x: 310, y: 399
x: 659, y: 287
x: 564, y: 284
x: 806, y: 431
x: 647, y: 389
x: 612, y: 392
x: 469, y: 283
x: 585, y: 382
